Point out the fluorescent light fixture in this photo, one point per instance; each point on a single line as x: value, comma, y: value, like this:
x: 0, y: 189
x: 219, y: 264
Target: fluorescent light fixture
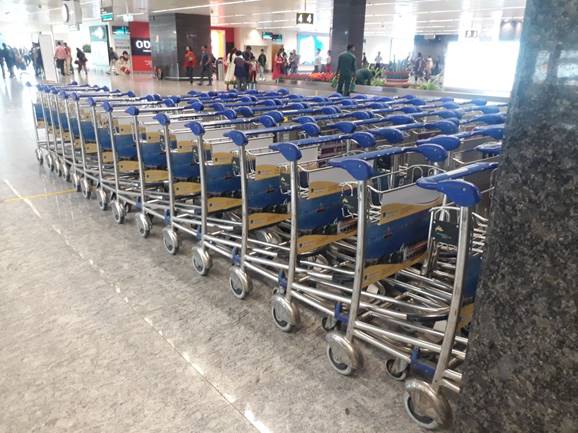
x: 272, y: 21
x: 207, y: 5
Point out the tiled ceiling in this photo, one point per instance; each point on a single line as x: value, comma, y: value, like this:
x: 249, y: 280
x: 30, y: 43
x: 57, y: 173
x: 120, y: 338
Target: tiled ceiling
x: 387, y: 18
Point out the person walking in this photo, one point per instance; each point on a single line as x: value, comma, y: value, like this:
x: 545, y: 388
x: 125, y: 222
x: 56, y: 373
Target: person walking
x: 68, y: 62
x: 378, y: 60
x: 262, y: 63
x: 317, y: 62
x: 206, y: 66
x: 248, y: 56
x: 81, y: 61
x: 345, y: 70
x: 418, y: 67
x: 189, y: 63
x: 37, y: 59
x: 241, y: 71
x: 364, y: 62
x: 285, y: 65
x: 230, y: 64
x: 328, y: 67
x: 60, y: 57
x: 112, y: 59
x: 2, y: 62
x: 278, y: 65
x: 293, y: 62
x: 428, y: 68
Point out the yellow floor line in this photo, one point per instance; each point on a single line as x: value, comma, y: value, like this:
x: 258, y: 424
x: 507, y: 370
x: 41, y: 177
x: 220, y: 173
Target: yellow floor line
x: 35, y: 196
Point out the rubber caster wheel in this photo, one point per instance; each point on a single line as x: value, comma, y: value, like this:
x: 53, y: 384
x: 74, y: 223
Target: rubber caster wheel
x: 143, y: 225
x: 57, y: 169
x: 170, y: 241
x: 343, y: 356
x: 102, y: 199
x: 202, y: 261
x: 66, y: 173
x: 85, y: 188
x: 49, y: 162
x: 428, y: 409
x: 239, y: 282
x: 75, y: 182
x: 396, y: 369
x: 118, y: 213
x: 39, y: 156
x: 285, y: 313
x: 329, y: 323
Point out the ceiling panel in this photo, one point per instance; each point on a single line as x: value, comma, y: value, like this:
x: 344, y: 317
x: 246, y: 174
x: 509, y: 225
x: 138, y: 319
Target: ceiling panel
x: 397, y: 18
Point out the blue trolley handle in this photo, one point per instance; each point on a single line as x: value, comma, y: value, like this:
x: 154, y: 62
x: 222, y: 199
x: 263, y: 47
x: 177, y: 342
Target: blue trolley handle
x: 451, y: 184
x: 291, y: 150
x: 241, y: 138
x: 360, y: 169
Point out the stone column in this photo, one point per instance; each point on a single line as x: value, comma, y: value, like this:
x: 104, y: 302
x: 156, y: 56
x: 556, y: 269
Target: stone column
x: 348, y: 27
x: 520, y: 370
x: 171, y: 33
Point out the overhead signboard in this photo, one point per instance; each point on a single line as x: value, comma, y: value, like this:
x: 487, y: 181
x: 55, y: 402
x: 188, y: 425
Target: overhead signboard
x: 106, y: 10
x: 270, y: 36
x: 304, y: 18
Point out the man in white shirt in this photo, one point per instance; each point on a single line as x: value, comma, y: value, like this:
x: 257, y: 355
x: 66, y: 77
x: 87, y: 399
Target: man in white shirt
x: 317, y: 67
x: 378, y: 59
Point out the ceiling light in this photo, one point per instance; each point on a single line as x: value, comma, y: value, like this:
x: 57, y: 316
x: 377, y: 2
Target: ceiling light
x: 208, y: 5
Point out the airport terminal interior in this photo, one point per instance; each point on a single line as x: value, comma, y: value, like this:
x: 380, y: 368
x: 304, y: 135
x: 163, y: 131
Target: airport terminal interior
x: 288, y: 216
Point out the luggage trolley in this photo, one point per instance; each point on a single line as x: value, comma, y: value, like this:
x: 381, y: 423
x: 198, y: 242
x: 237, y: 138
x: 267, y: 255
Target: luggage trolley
x: 81, y: 124
x: 54, y: 135
x: 423, y: 400
x: 163, y: 157
x: 39, y: 115
x: 398, y: 228
x: 266, y: 205
x: 217, y: 186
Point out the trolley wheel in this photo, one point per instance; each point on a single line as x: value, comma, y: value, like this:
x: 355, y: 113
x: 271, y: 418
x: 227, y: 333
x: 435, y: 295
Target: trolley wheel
x: 118, y: 213
x: 102, y: 199
x: 329, y: 323
x: 143, y: 225
x: 49, y: 162
x: 57, y: 168
x: 285, y: 313
x: 239, y: 282
x: 66, y: 172
x: 85, y: 188
x: 202, y: 261
x: 39, y: 157
x: 76, y: 182
x: 396, y: 369
x: 343, y: 356
x: 427, y: 408
x: 170, y: 240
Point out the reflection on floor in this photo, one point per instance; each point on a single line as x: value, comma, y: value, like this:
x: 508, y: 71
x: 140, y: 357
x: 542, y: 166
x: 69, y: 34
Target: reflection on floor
x: 101, y: 331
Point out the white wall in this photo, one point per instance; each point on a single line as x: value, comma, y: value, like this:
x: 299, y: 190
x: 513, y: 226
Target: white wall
x: 252, y: 37
x: 373, y: 44
x: 389, y: 47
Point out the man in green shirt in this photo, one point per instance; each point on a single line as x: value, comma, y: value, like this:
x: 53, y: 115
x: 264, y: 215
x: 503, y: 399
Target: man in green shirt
x: 346, y: 70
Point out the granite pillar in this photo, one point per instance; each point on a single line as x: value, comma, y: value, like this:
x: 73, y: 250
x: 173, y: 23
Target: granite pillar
x: 171, y: 33
x: 348, y: 27
x: 520, y: 370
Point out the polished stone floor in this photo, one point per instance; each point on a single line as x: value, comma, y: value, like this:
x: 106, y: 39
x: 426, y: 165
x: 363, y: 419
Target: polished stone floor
x: 102, y: 331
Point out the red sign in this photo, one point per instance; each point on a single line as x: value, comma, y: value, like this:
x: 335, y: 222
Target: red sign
x: 140, y: 36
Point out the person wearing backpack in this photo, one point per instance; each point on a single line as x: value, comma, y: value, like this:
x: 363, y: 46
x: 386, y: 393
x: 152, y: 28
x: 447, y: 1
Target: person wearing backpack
x: 207, y: 60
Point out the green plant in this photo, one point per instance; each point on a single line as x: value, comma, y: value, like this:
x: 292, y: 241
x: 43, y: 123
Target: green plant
x: 429, y: 85
x: 87, y: 48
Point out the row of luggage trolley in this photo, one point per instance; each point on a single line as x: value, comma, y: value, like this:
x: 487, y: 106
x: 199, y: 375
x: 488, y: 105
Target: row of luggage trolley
x: 369, y: 211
